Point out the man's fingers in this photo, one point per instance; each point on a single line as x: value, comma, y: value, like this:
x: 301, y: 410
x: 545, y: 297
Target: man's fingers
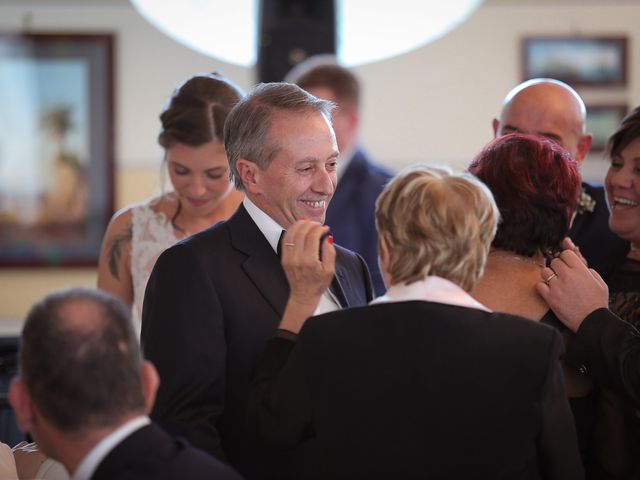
x: 599, y: 279
x: 328, y: 255
x: 311, y: 241
x: 546, y: 274
x: 572, y: 259
x: 302, y: 240
x: 560, y: 266
x: 567, y: 244
x: 543, y: 290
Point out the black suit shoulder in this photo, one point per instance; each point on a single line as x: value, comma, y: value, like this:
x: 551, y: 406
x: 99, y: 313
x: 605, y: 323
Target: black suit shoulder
x: 150, y: 453
x: 499, y: 345
x: 494, y: 327
x: 432, y: 377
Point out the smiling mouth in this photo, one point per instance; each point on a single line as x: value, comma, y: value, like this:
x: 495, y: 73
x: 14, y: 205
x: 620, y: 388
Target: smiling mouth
x: 625, y: 201
x: 315, y: 204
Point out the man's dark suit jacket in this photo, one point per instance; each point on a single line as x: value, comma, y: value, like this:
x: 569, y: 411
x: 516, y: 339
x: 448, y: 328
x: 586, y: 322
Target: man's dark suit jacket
x: 351, y: 213
x: 149, y: 453
x: 608, y: 349
x: 211, y: 304
x: 590, y: 231
x: 418, y: 390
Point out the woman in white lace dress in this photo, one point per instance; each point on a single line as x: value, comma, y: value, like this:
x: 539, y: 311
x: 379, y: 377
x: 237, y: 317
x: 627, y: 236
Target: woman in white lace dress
x: 202, y: 195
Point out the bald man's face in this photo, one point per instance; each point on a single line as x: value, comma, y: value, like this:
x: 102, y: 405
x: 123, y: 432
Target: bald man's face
x: 549, y: 112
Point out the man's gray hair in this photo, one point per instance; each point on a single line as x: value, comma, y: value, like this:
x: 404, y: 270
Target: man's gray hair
x: 246, y: 130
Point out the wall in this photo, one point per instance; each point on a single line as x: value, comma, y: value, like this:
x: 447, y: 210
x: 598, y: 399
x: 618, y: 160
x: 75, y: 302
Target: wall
x: 434, y: 104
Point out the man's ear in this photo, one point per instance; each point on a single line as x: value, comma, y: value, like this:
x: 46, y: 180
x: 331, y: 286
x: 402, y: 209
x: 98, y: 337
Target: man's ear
x: 496, y: 127
x: 21, y: 402
x: 249, y: 174
x: 584, y: 145
x: 150, y: 384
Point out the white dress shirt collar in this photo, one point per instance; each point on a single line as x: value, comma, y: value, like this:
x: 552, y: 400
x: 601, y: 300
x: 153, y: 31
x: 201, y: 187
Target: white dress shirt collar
x: 267, y: 225
x: 90, y: 463
x: 271, y: 231
x: 430, y: 289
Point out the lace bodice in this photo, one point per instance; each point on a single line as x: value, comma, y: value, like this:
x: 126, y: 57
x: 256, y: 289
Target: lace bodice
x: 151, y: 234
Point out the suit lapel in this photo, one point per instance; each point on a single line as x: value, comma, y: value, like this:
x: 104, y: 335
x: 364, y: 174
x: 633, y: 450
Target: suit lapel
x: 262, y: 265
x: 338, y: 285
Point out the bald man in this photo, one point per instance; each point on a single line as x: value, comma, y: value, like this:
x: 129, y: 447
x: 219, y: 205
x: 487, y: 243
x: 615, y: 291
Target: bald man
x: 552, y: 109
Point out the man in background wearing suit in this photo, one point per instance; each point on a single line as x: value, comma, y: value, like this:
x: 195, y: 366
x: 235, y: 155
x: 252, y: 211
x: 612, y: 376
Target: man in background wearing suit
x: 554, y: 110
x: 84, y: 392
x: 215, y: 299
x: 351, y: 214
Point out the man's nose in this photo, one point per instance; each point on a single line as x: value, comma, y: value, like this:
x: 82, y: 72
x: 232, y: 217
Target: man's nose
x: 324, y: 181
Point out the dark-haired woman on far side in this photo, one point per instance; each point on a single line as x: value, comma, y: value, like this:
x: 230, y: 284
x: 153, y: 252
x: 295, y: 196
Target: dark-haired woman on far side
x: 535, y: 183
x: 202, y: 195
x: 622, y: 186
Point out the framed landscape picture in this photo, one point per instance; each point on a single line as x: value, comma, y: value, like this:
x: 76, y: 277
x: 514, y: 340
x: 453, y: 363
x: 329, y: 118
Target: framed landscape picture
x: 602, y: 121
x: 578, y: 61
x: 56, y: 148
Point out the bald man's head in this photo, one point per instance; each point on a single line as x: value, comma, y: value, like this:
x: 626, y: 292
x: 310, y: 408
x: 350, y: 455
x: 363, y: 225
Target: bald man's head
x: 548, y: 108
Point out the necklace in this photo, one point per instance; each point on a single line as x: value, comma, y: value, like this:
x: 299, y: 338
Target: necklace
x: 517, y: 257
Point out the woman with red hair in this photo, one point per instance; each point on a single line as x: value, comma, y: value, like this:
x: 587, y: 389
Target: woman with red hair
x: 535, y: 183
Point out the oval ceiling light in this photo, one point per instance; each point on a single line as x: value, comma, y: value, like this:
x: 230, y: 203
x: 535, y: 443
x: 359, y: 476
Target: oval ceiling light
x: 367, y: 30
x: 223, y: 29
x: 372, y: 30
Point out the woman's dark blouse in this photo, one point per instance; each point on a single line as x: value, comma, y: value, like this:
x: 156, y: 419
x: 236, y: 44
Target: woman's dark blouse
x: 602, y: 417
x: 624, y: 301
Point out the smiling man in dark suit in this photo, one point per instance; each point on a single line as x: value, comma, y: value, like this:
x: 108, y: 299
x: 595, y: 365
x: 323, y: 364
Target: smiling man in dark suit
x: 84, y: 393
x: 351, y: 214
x: 215, y: 299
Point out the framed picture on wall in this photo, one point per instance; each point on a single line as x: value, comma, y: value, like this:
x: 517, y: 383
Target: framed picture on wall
x: 56, y: 148
x: 602, y: 121
x: 578, y: 61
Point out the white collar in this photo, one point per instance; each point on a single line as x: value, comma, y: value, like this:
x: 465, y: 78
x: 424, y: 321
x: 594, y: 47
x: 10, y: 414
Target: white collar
x: 267, y: 225
x: 272, y: 230
x: 430, y: 289
x: 90, y: 463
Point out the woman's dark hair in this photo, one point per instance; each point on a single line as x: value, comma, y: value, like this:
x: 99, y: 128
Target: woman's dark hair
x: 535, y: 183
x: 196, y: 112
x: 626, y: 133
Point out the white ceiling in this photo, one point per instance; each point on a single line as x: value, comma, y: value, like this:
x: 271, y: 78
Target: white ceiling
x: 43, y: 3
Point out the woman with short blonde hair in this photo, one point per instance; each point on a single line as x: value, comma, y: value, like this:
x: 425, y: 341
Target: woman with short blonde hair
x: 450, y: 242
x: 425, y: 382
